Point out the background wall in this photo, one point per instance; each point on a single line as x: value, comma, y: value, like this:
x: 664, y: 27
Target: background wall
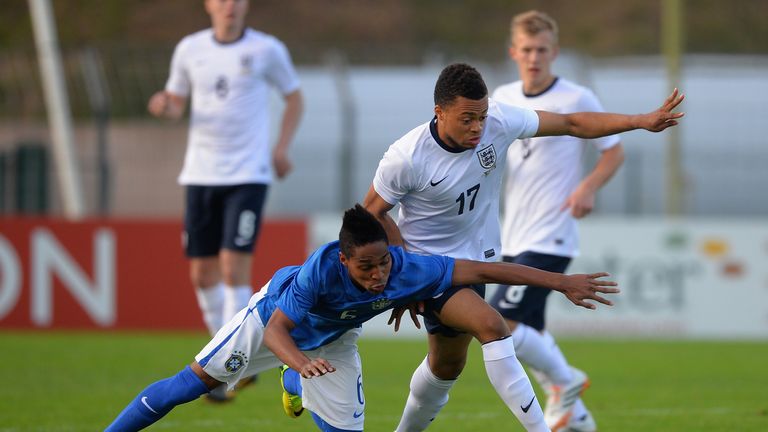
x: 368, y: 70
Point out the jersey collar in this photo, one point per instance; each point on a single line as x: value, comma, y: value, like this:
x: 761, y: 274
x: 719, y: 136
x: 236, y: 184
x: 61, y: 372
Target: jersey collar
x: 218, y: 42
x: 549, y: 87
x: 441, y: 143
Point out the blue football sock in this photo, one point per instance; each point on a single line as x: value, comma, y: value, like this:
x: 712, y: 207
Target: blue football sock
x: 325, y: 427
x: 292, y: 382
x: 157, y: 400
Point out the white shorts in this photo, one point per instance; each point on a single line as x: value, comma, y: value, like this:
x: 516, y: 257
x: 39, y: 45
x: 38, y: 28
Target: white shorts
x: 237, y: 351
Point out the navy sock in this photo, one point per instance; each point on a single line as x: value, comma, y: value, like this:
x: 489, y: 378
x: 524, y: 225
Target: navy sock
x: 157, y: 400
x: 292, y: 382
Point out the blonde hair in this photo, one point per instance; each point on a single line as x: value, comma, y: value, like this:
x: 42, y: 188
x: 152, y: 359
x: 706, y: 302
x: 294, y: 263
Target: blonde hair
x: 532, y: 23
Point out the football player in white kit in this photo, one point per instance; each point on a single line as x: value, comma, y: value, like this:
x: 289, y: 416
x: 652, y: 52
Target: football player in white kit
x: 309, y: 317
x: 544, y: 195
x: 446, y: 174
x: 228, y: 71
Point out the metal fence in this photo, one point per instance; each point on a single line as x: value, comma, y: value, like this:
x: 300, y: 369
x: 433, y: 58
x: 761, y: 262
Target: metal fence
x: 354, y: 113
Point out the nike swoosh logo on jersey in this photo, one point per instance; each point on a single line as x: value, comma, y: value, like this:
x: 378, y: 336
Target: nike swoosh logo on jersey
x: 438, y: 182
x: 144, y: 401
x: 526, y: 408
x: 356, y: 414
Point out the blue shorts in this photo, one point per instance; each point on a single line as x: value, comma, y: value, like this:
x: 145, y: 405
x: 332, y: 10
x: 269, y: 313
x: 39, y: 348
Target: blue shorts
x: 432, y: 306
x: 222, y: 217
x: 527, y: 303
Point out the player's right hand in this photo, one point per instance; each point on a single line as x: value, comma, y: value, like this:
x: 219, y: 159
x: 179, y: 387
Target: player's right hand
x: 580, y: 287
x: 413, y: 309
x: 158, y: 104
x: 663, y: 117
x: 316, y: 367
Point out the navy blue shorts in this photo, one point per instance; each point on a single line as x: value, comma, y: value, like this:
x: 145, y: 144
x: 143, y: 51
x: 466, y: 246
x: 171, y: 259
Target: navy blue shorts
x: 433, y: 325
x: 527, y: 303
x: 222, y: 217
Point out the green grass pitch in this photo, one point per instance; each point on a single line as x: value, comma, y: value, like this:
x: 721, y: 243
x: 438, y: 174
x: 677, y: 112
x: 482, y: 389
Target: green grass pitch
x: 71, y: 381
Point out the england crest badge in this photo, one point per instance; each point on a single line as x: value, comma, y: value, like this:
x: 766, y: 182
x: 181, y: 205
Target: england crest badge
x: 487, y: 157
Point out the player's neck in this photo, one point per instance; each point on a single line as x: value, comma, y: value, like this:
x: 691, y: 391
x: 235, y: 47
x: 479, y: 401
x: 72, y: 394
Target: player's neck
x: 446, y: 140
x: 227, y: 34
x: 534, y: 88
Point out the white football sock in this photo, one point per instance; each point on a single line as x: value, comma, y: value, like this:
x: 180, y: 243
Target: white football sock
x: 512, y: 384
x: 536, y: 350
x: 211, y: 302
x: 235, y: 299
x: 428, y: 396
x: 579, y: 409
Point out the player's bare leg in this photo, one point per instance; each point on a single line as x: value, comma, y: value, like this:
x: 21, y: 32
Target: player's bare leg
x: 433, y: 379
x: 206, y: 278
x: 467, y: 311
x: 235, y: 267
x: 236, y: 274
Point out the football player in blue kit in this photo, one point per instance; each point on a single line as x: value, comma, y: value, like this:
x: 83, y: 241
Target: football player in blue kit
x: 309, y: 317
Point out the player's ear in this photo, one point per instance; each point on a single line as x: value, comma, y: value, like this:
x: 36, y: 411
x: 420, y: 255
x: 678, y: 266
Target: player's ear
x: 344, y: 260
x: 439, y: 112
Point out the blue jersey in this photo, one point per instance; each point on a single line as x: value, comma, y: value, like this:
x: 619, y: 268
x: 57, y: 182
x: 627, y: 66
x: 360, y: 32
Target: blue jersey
x: 321, y: 299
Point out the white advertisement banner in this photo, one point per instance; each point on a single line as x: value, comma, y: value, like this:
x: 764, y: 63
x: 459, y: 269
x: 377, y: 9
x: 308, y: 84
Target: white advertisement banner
x: 680, y: 278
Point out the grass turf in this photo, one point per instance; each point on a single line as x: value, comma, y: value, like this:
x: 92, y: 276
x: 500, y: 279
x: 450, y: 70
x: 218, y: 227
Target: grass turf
x: 70, y: 381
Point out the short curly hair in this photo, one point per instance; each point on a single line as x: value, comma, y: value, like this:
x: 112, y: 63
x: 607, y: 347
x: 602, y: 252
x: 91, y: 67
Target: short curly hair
x: 459, y: 79
x: 359, y: 228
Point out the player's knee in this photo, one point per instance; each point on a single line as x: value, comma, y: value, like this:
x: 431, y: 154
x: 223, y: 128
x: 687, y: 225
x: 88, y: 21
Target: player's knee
x: 234, y: 277
x: 490, y: 327
x: 203, y: 279
x: 449, y: 368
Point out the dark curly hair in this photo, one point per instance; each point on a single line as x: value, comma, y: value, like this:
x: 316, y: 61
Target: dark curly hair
x: 459, y: 79
x: 359, y: 228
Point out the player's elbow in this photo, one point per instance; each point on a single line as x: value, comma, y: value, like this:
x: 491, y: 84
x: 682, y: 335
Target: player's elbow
x: 270, y: 337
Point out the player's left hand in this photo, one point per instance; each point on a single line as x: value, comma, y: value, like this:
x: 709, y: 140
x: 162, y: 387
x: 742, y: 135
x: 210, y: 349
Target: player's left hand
x: 413, y: 309
x: 663, y: 117
x: 581, y: 202
x: 580, y: 287
x: 281, y: 163
x: 316, y: 367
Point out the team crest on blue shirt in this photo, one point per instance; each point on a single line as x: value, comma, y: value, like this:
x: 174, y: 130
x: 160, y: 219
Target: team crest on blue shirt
x: 487, y: 157
x: 381, y: 304
x: 236, y: 361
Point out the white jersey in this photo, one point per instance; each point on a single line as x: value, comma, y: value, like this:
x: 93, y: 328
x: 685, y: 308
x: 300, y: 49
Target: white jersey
x: 542, y: 172
x: 229, y: 84
x: 449, y: 199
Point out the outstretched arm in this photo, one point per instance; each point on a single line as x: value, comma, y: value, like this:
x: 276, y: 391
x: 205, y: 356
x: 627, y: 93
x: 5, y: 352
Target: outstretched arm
x: 577, y: 287
x: 277, y: 337
x: 598, y: 124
